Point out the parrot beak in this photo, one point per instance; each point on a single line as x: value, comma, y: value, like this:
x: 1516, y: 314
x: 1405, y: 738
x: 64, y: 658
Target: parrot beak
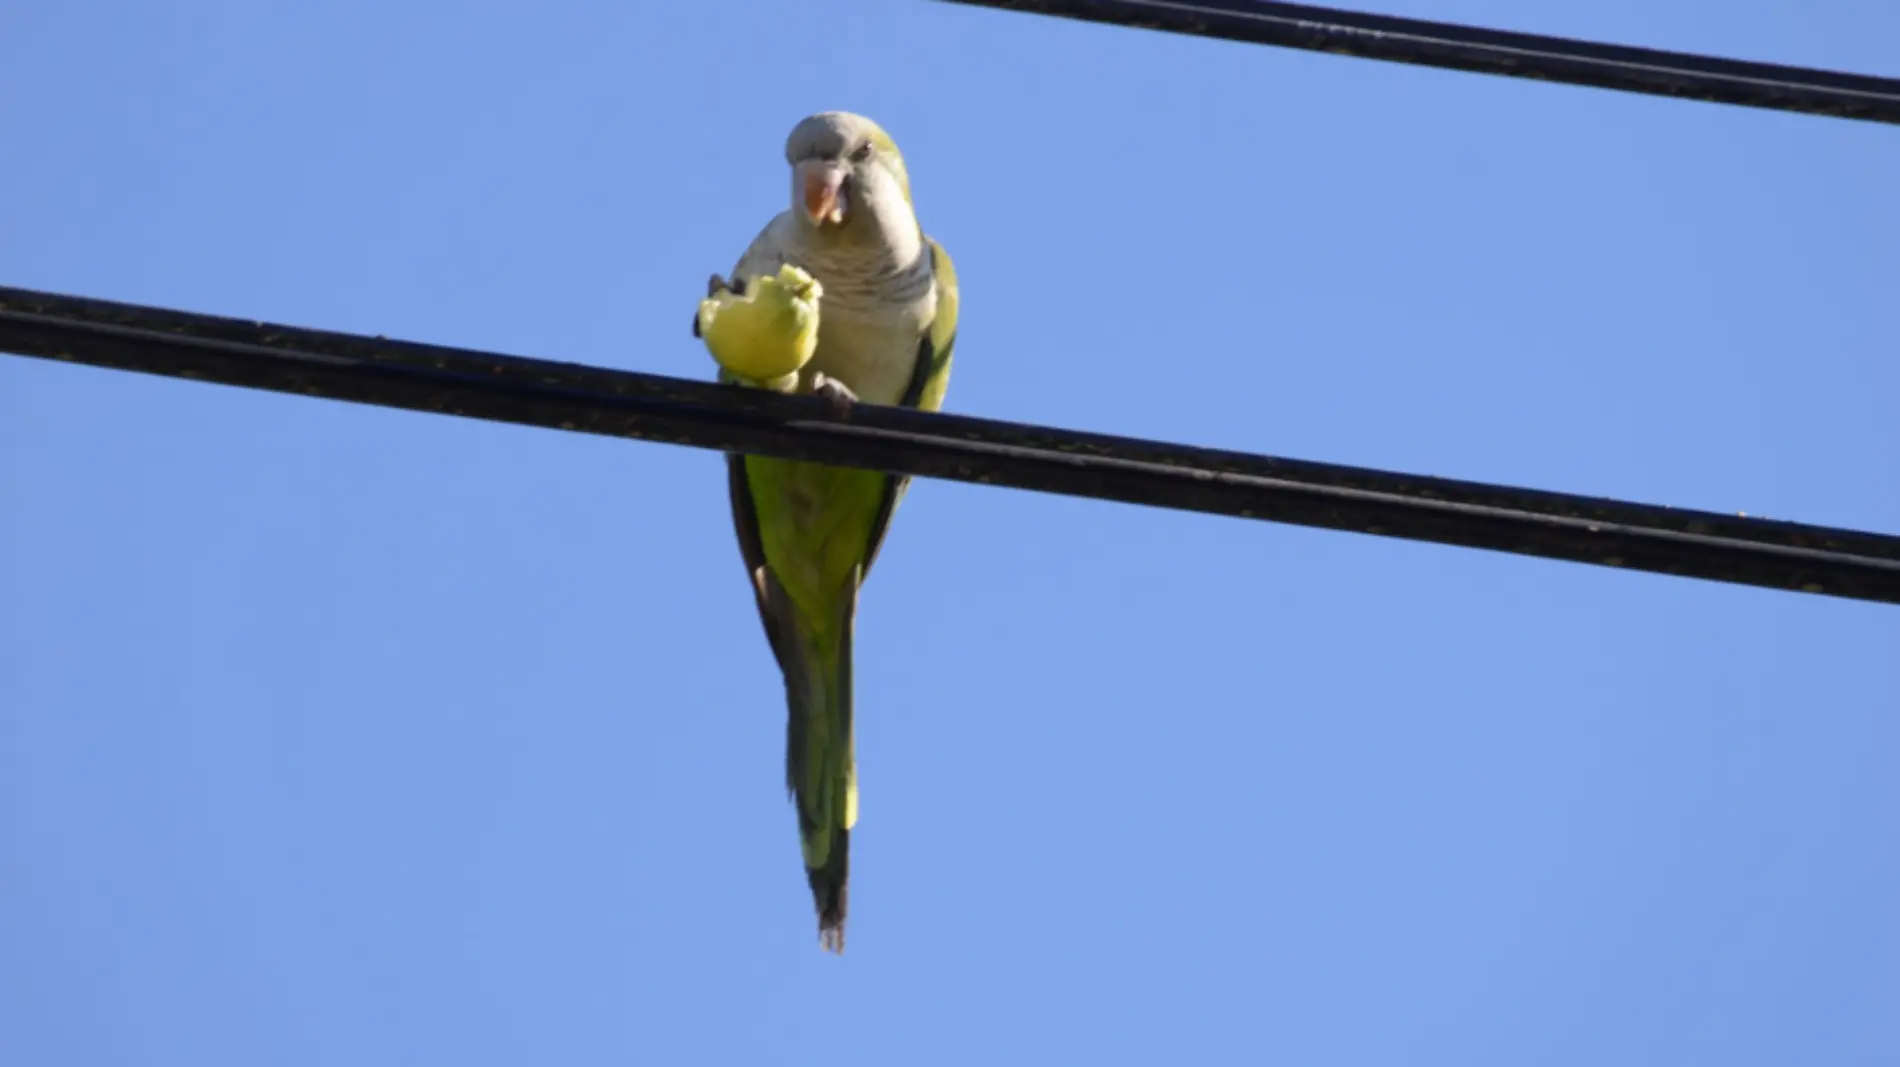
x: 820, y: 190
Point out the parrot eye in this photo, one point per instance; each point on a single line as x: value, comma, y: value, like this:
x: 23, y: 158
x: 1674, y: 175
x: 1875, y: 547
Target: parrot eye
x: 861, y: 153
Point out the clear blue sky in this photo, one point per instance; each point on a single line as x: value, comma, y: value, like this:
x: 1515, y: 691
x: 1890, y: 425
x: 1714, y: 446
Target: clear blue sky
x: 334, y: 735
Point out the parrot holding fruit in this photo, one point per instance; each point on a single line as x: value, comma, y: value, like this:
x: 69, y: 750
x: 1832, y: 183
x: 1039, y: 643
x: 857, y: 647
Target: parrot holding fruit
x: 764, y: 333
x: 850, y: 256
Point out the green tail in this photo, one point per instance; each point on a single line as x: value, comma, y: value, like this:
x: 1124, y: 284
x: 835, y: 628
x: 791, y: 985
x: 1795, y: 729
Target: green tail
x: 821, y: 761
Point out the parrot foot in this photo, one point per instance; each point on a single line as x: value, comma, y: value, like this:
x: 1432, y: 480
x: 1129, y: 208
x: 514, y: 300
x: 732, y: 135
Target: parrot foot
x: 835, y: 391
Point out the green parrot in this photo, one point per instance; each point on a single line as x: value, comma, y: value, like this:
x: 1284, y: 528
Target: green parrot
x: 808, y: 533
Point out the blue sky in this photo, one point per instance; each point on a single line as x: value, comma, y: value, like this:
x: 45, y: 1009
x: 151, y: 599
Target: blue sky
x: 334, y: 735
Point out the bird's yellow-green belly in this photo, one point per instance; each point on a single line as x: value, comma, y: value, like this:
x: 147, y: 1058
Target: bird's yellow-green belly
x: 815, y: 524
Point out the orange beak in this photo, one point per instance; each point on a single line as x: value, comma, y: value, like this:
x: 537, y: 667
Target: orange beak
x: 820, y: 191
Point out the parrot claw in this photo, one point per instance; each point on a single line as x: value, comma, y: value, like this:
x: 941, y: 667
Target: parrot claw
x: 716, y: 285
x: 835, y: 391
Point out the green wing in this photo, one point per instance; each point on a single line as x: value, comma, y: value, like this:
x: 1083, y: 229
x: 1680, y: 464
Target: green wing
x: 929, y: 380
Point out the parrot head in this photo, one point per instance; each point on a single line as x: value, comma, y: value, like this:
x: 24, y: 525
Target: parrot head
x: 847, y: 177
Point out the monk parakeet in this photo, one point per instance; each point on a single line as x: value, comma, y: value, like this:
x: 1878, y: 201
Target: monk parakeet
x: 808, y: 533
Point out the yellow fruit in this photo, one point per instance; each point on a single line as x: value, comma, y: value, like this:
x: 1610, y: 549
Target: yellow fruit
x: 767, y: 333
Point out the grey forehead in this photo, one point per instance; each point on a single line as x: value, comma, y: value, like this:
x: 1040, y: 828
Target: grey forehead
x: 826, y: 135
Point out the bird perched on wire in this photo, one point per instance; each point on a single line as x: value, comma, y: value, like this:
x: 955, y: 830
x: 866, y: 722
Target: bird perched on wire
x: 886, y: 314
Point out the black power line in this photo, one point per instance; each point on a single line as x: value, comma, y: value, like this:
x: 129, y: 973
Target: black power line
x: 484, y: 385
x: 1517, y: 55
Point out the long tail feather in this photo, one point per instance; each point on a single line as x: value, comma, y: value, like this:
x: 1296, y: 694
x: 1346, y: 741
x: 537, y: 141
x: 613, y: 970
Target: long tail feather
x: 820, y: 760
